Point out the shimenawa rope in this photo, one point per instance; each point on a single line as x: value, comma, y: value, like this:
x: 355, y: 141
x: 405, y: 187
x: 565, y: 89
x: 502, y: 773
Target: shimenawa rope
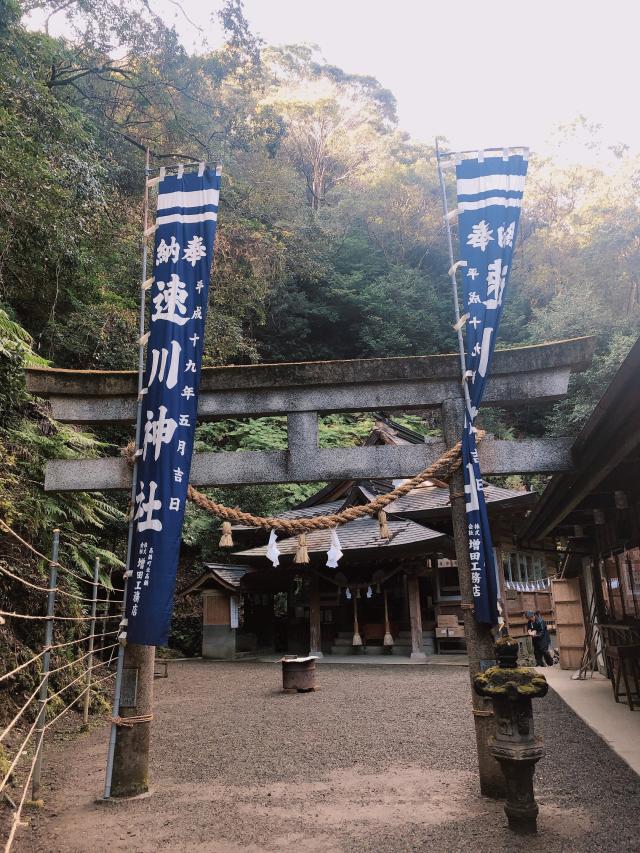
x: 442, y: 469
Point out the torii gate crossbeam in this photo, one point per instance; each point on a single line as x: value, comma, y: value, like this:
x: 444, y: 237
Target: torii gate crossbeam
x: 303, y: 391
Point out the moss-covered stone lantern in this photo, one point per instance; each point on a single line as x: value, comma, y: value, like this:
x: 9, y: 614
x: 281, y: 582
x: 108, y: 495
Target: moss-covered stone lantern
x: 514, y: 745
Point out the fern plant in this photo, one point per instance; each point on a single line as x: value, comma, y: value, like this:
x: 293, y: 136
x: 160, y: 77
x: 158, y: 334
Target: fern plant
x: 88, y: 522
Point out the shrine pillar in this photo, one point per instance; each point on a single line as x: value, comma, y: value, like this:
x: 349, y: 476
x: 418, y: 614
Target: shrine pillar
x: 315, y: 630
x: 415, y: 618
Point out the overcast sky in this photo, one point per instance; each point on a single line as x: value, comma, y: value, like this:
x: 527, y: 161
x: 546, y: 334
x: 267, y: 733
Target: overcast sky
x: 481, y: 74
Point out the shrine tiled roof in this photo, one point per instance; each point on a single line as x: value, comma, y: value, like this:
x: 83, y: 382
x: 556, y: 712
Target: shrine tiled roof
x: 362, y: 534
x: 302, y: 512
x: 226, y: 575
x: 432, y: 499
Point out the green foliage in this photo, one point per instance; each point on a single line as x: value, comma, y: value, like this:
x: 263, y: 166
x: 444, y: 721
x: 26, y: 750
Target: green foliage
x: 569, y: 415
x: 201, y: 530
x: 330, y: 243
x: 28, y: 438
x: 186, y: 635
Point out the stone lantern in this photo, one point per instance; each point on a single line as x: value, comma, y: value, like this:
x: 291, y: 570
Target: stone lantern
x: 514, y: 745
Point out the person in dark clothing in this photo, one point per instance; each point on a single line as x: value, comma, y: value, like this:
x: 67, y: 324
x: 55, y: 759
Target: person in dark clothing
x: 539, y: 633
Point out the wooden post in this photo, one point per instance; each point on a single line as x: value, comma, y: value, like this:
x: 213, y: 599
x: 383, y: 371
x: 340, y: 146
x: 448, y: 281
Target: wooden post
x: 131, y: 757
x: 315, y: 630
x: 596, y: 579
x: 415, y: 618
x: 127, y: 772
x: 479, y: 637
x: 502, y: 588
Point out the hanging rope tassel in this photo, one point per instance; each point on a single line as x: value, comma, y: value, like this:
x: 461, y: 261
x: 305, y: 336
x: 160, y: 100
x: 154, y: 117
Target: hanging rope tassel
x: 302, y: 554
x: 388, y: 637
x: 226, y: 540
x: 384, y: 524
x: 357, y: 639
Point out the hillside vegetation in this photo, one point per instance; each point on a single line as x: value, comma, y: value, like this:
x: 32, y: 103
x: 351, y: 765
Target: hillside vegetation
x: 330, y: 243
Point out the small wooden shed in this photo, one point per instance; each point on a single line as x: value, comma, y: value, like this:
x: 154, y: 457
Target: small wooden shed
x: 219, y: 587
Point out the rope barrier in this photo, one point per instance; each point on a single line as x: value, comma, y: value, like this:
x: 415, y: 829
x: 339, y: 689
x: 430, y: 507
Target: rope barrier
x: 42, y: 556
x: 78, y: 697
x: 82, y: 675
x: 18, y: 813
x: 18, y: 755
x: 8, y: 728
x: 53, y: 648
x: 25, y: 664
x: 442, y: 469
x: 82, y: 657
x: 31, y: 698
x: 58, y: 618
x: 47, y: 589
x: 39, y: 699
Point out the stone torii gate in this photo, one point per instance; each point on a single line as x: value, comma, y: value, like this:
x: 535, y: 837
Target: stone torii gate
x: 302, y: 391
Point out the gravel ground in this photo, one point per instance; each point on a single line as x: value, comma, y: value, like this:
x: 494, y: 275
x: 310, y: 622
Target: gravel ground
x: 379, y: 759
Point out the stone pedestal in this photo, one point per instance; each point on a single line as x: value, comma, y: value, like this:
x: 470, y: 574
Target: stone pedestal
x: 514, y: 744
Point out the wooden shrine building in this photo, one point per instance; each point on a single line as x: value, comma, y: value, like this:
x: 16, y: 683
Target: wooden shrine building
x: 593, y: 510
x: 403, y: 590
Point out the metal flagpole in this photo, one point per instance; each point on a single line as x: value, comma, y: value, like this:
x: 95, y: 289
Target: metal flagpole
x: 478, y: 637
x: 92, y: 631
x: 127, y: 574
x: 452, y: 276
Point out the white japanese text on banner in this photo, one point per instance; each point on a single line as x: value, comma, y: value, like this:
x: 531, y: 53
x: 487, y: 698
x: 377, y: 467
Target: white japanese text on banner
x: 490, y: 191
x: 186, y: 226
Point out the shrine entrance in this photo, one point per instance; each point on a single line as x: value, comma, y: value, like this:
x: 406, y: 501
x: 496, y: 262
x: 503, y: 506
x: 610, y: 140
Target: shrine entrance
x: 526, y: 375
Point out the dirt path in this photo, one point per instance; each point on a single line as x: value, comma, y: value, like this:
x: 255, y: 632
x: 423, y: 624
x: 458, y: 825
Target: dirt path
x: 380, y: 759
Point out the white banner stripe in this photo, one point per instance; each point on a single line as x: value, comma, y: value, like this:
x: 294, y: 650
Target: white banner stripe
x: 189, y: 199
x: 489, y: 183
x: 488, y: 202
x: 187, y: 217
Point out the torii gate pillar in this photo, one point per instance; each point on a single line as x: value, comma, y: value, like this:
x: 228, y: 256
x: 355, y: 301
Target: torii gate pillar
x: 131, y: 758
x: 479, y: 637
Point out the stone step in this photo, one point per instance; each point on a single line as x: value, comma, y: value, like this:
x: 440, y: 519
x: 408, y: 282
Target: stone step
x: 374, y: 650
x: 426, y: 632
x: 343, y: 641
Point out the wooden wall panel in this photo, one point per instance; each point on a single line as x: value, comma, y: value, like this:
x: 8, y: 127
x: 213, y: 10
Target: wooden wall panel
x: 569, y: 621
x: 215, y: 608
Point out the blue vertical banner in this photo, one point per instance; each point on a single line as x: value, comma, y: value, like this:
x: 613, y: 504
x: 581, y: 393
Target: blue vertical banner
x: 490, y: 191
x: 185, y: 233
